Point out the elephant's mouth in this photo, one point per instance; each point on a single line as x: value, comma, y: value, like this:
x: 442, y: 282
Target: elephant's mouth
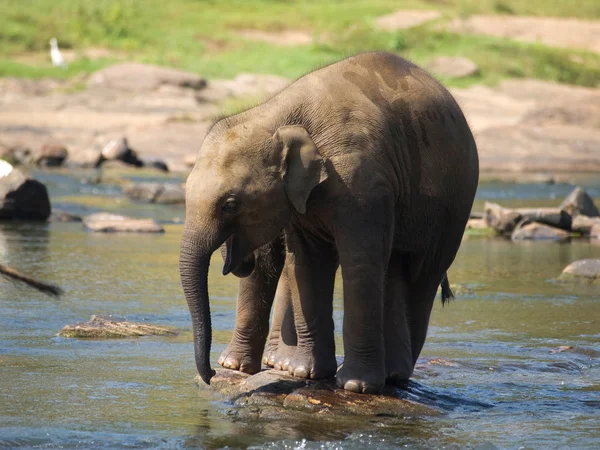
x: 230, y: 244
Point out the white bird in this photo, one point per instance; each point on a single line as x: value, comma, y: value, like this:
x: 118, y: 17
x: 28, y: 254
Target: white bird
x: 56, y: 55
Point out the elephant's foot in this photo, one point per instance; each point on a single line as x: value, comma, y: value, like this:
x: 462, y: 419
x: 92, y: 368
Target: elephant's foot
x: 306, y: 364
x: 236, y: 357
x: 360, y: 379
x: 283, y: 356
x: 268, y: 358
x: 398, y: 369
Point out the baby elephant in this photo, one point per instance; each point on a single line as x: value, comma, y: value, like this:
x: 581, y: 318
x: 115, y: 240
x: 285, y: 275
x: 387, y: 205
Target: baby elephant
x: 367, y: 164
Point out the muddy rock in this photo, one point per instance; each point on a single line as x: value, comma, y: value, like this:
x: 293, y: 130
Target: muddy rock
x: 527, y: 230
x: 51, y: 155
x: 113, y: 223
x: 163, y: 193
x: 500, y: 219
x: 579, y: 202
x: 453, y: 67
x: 587, y: 270
x: 137, y: 77
x: 584, y: 224
x: 107, y: 327
x: 278, y: 393
x: 23, y: 198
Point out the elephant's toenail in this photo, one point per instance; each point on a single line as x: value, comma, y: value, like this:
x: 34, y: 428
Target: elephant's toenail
x: 352, y: 386
x: 301, y: 372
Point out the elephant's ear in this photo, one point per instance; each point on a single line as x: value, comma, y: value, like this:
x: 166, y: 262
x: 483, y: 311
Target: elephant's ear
x: 302, y: 166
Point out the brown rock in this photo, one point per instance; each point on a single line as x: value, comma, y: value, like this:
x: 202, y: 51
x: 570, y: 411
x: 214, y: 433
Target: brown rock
x: 51, y: 155
x: 586, y: 269
x: 137, y: 77
x: 113, y: 223
x: 536, y: 231
x: 583, y: 224
x: 23, y: 198
x: 162, y: 193
x: 579, y: 202
x: 500, y: 219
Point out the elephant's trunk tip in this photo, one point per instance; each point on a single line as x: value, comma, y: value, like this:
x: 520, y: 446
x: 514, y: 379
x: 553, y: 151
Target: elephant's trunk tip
x: 206, y: 374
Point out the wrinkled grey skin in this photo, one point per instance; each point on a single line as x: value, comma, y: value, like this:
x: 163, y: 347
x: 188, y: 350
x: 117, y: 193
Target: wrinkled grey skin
x: 367, y: 164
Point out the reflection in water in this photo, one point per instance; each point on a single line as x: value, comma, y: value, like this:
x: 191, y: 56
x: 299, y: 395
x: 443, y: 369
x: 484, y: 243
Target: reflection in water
x: 491, y: 362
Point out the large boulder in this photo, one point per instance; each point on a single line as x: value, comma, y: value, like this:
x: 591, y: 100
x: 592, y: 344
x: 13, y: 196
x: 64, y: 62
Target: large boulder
x: 501, y: 219
x: 579, y: 202
x: 136, y: 77
x: 527, y: 230
x: 504, y: 220
x: 584, y: 270
x: 113, y: 223
x: 23, y: 198
x: 163, y: 193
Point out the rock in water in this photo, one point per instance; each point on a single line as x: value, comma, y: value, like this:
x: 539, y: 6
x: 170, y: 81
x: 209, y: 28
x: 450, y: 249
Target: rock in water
x: 51, y: 155
x: 584, y: 224
x: 537, y: 232
x: 113, y: 223
x: 579, y: 202
x: 106, y: 327
x: 163, y: 193
x: 276, y: 394
x: 23, y: 198
x: 500, y: 219
x: 584, y: 270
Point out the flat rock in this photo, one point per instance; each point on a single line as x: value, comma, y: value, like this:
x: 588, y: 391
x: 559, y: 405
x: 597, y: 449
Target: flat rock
x: 453, y: 67
x: 106, y: 327
x: 579, y: 202
x: 113, y: 223
x: 23, y: 198
x: 163, y: 193
x: 130, y: 76
x: 583, y: 269
x: 278, y: 393
x: 404, y: 19
x: 538, y: 232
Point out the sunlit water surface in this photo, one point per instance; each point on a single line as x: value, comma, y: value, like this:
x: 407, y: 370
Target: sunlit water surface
x: 488, y: 362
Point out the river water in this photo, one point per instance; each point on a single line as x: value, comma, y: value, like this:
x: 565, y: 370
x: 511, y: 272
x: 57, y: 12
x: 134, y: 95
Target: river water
x: 490, y: 362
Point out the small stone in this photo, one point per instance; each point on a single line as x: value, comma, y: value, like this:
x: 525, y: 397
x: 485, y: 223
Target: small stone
x: 23, y: 198
x: 579, y: 202
x: 51, y: 155
x: 453, y: 67
x: 113, y: 223
x: 537, y: 231
x: 583, y: 269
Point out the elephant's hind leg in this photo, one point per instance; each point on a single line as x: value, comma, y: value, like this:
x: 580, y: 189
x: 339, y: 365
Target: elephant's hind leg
x: 398, y: 352
x: 282, y: 339
x: 420, y: 303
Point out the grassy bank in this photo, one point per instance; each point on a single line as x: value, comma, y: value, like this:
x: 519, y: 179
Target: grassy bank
x: 202, y: 36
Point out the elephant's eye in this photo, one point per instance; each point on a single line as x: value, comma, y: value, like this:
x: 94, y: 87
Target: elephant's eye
x: 230, y: 205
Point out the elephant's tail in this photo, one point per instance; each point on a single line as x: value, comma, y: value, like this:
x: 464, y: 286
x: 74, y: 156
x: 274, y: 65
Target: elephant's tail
x: 447, y: 294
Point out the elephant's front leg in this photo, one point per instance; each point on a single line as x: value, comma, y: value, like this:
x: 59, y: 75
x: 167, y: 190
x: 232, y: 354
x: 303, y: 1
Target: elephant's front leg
x: 311, y: 268
x: 255, y: 298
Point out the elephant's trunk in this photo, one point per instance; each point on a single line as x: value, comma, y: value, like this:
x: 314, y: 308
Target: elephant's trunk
x: 194, y: 260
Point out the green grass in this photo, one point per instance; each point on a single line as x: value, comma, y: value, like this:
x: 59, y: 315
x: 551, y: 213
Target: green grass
x: 201, y: 36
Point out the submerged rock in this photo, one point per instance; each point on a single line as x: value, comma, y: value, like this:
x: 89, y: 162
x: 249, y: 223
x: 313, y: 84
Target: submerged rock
x: 105, y: 327
x: 23, y: 198
x: 163, y: 193
x: 527, y: 230
x: 273, y: 393
x: 583, y: 269
x: 579, y: 202
x: 113, y: 223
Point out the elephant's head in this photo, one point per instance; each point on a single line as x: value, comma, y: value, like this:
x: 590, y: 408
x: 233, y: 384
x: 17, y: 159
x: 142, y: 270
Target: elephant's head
x: 244, y: 188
